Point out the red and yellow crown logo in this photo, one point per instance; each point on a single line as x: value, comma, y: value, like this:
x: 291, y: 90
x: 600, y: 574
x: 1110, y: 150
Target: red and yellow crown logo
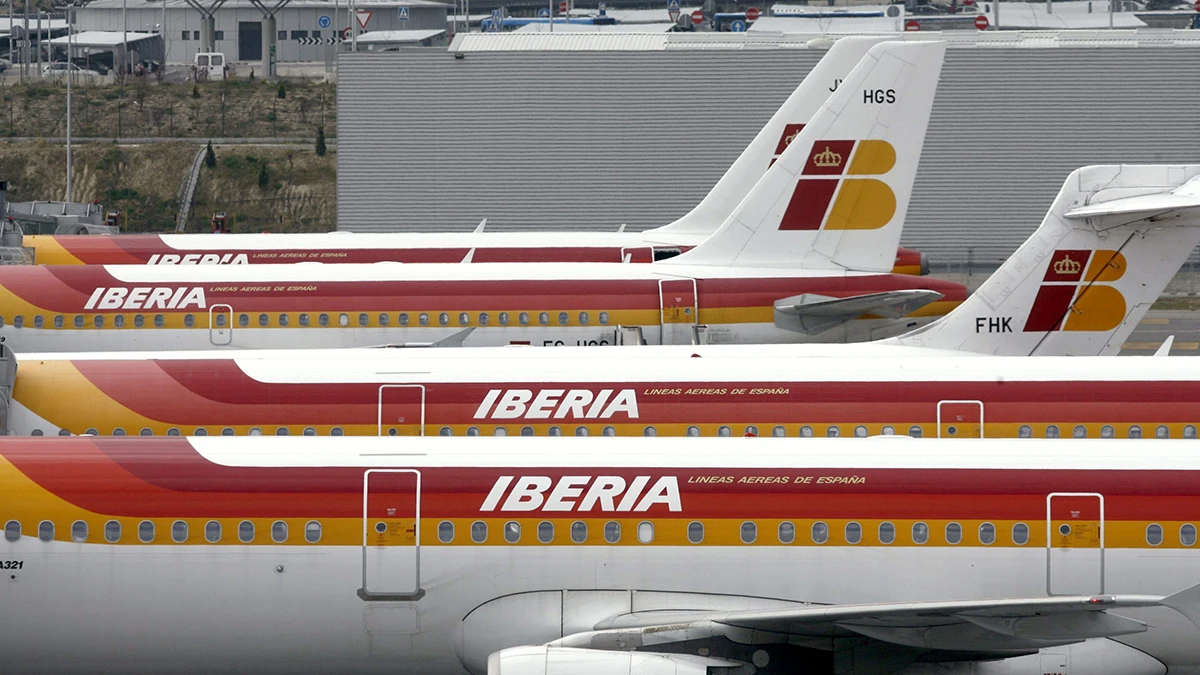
x: 1070, y: 299
x: 828, y: 158
x: 837, y: 203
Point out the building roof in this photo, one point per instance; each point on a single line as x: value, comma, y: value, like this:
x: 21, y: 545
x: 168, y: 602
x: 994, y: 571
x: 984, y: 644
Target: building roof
x: 591, y: 28
x: 832, y: 25
x: 398, y: 36
x: 294, y: 4
x: 102, y: 38
x: 47, y: 24
x: 1067, y: 15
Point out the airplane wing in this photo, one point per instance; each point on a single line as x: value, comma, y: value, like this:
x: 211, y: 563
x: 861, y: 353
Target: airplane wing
x: 984, y: 629
x: 811, y: 313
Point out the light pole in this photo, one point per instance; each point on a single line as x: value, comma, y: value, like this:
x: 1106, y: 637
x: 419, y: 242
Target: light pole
x: 124, y: 40
x: 70, y: 65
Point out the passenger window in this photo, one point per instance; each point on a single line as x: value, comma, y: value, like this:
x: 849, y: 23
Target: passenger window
x: 523, y: 318
x: 1025, y: 431
x: 472, y: 431
x: 59, y: 321
x: 778, y: 432
x: 337, y: 431
x: 583, y: 318
x: 403, y: 318
x: 889, y: 430
x: 953, y: 533
x: 860, y: 432
x: 112, y: 532
x: 264, y: 320
x: 201, y: 431
x: 343, y: 320
x: 887, y: 533
x: 146, y: 431
x: 118, y: 432
x: 12, y: 530
x: 724, y: 432
x: 579, y: 532
x: 479, y: 532
x: 512, y: 532
x: 499, y: 431
x: 787, y: 532
x: 463, y: 319
x: 18, y: 321
x: 806, y: 432
x: 645, y: 532
x: 243, y: 320
x: 423, y: 319
x: 563, y: 318
x: 119, y: 321
x: 1162, y: 432
x: 364, y: 320
x: 608, y: 431
x: 1154, y: 534
x: 483, y: 319
x: 820, y: 532
x: 37, y: 432
x: 172, y: 431
x: 612, y: 532
x: 78, y: 321
x: 279, y: 532
x: 146, y: 531
x: 1020, y: 534
x: 245, y: 532
x: 581, y: 431
x: 282, y: 431
x: 220, y: 320
x: 649, y: 431
x: 1079, y: 431
x: 1189, y: 431
x: 212, y: 532
x: 916, y: 431
x: 159, y: 321
x: 833, y: 432
x: 1106, y: 431
x: 1135, y: 431
x: 227, y: 431
x: 749, y: 532
x: 695, y: 532
x: 692, y: 432
x: 1052, y: 431
x: 188, y: 320
x: 312, y: 532
x: 91, y: 432
x: 38, y: 321
x: 444, y: 431
x: 503, y: 318
x: 323, y: 319
x: 64, y: 432
x: 46, y: 530
x: 603, y: 318
x: 526, y: 431
x: 309, y: 431
x: 444, y: 319
x: 555, y: 431
x: 853, y: 533
x: 179, y: 531
x: 750, y: 431
x: 1187, y: 534
x: 383, y: 319
x: 283, y: 319
x: 303, y: 319
x: 97, y: 321
x: 79, y: 531
x: 545, y: 532
x: 544, y: 318
x: 987, y: 534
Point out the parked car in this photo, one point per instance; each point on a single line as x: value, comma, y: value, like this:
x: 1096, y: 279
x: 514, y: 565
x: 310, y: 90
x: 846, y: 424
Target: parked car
x: 59, y: 69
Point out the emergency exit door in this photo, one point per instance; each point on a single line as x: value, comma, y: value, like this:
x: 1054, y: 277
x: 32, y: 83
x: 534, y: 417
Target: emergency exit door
x: 677, y: 310
x: 960, y: 419
x: 391, y: 535
x: 401, y: 410
x: 1074, y: 543
x: 220, y: 324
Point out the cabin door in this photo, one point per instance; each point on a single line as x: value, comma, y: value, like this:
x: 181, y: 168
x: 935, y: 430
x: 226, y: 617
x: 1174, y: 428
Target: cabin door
x: 1074, y: 543
x: 401, y: 410
x: 677, y: 310
x: 220, y: 324
x: 391, y: 535
x: 960, y: 419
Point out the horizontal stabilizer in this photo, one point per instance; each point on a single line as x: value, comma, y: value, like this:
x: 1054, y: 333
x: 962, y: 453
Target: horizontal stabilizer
x: 1185, y: 198
x: 453, y: 340
x: 811, y: 313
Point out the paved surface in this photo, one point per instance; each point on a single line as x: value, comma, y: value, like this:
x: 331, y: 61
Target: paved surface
x: 1158, y: 326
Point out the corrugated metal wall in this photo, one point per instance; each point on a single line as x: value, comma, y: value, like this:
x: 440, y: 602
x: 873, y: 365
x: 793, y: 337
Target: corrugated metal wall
x: 536, y: 140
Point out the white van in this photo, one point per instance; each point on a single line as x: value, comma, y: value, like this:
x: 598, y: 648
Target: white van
x: 209, y: 66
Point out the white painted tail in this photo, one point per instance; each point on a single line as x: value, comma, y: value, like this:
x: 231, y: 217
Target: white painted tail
x: 754, y: 161
x: 837, y: 197
x: 1111, y: 242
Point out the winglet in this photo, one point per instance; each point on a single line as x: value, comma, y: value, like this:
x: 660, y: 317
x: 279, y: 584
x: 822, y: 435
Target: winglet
x: 1187, y: 603
x: 482, y: 224
x: 621, y: 228
x: 1165, y: 348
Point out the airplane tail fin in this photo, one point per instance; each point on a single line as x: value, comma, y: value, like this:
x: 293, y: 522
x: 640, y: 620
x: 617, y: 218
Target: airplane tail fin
x: 1111, y: 242
x: 837, y: 197
x: 773, y: 139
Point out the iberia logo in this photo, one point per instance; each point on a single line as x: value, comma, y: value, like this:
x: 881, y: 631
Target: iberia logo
x: 1076, y: 293
x: 790, y: 132
x: 823, y: 199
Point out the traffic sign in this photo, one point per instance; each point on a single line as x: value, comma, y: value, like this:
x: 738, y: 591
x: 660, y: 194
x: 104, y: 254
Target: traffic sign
x: 324, y: 21
x: 981, y: 22
x: 912, y: 25
x: 697, y: 17
x: 738, y: 26
x: 543, y: 13
x: 752, y: 14
x: 363, y: 16
x: 346, y: 33
x: 673, y: 10
x: 562, y: 7
x: 1198, y: 5
x: 403, y: 12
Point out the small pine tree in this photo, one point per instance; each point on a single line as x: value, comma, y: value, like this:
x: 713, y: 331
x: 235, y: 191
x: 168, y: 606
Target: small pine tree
x: 320, y: 141
x: 195, y: 90
x: 210, y: 157
x: 281, y: 92
x: 264, y: 177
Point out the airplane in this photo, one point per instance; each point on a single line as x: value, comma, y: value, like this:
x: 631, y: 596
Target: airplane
x: 1109, y: 244
x: 572, y: 556
x: 451, y: 247
x: 806, y: 256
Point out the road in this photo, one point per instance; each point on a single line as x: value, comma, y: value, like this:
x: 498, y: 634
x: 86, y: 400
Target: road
x: 1160, y: 324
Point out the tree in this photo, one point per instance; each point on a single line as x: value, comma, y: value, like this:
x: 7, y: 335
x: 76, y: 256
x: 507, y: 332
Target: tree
x: 281, y: 92
x: 264, y: 177
x: 320, y: 141
x: 210, y: 157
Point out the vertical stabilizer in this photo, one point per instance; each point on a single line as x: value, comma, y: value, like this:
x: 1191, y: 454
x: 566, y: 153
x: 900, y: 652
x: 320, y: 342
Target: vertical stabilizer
x: 837, y: 197
x: 787, y: 122
x: 1113, y: 239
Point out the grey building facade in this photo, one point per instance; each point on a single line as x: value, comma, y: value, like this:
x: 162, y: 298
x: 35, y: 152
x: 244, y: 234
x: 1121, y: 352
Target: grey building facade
x: 594, y: 139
